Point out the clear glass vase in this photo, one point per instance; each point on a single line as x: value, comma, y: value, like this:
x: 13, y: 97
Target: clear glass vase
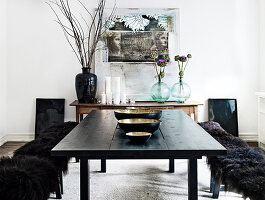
x: 180, y: 91
x: 160, y: 92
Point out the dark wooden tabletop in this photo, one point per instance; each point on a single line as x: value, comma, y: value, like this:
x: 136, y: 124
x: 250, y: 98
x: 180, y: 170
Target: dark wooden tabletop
x: 96, y: 137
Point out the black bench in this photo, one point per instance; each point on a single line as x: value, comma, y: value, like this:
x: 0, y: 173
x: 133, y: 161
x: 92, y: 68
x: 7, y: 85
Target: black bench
x: 242, y: 170
x: 39, y: 149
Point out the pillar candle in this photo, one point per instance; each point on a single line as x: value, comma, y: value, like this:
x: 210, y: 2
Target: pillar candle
x: 116, y: 90
x: 109, y: 98
x: 117, y: 99
x: 103, y: 98
x: 123, y: 98
x: 116, y: 85
x: 107, y: 85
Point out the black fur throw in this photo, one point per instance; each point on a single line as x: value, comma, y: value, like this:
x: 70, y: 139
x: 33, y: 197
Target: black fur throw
x: 26, y: 178
x: 223, y: 137
x: 211, y: 127
x: 43, y: 145
x: 243, y: 168
x: 242, y: 171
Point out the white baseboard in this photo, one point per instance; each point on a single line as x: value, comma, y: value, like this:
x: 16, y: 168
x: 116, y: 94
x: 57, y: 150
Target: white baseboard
x: 17, y: 137
x: 249, y: 137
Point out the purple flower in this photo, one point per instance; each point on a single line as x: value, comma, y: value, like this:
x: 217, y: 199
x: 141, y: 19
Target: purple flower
x: 161, y: 60
x: 182, y: 56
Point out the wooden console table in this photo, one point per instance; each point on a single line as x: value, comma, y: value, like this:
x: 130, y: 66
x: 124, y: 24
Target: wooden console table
x: 84, y: 108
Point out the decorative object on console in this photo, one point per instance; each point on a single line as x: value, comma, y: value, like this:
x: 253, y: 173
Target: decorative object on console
x: 103, y: 98
x: 160, y: 91
x: 86, y: 86
x: 109, y: 98
x: 108, y: 90
x: 180, y: 91
x: 124, y: 98
x: 107, y: 85
x: 117, y: 90
x: 83, y: 39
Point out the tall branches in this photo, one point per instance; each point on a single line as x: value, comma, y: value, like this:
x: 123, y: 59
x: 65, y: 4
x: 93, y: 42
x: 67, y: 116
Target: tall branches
x: 83, y: 39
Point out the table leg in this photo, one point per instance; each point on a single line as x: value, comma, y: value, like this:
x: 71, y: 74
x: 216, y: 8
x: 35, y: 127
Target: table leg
x: 81, y: 117
x: 103, y: 165
x: 211, y: 182
x: 171, y: 165
x: 77, y: 116
x: 84, y: 179
x: 192, y: 180
x: 196, y: 113
x: 216, y: 188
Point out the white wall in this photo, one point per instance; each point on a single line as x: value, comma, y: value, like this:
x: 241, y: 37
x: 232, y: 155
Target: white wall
x: 222, y: 36
x: 2, y: 69
x: 262, y: 46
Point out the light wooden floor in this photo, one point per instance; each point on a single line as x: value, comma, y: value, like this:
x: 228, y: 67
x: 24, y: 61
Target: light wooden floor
x: 8, y: 148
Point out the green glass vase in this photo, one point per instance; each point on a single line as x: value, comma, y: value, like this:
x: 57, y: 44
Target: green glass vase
x: 160, y: 92
x: 180, y: 91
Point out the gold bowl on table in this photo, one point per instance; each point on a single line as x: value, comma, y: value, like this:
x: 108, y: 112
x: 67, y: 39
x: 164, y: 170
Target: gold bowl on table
x: 135, y: 113
x: 139, y: 125
x: 137, y: 108
x: 139, y: 137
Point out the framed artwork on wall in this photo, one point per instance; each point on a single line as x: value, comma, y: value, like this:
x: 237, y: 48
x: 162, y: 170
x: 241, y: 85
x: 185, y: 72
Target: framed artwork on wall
x: 224, y: 111
x: 135, y: 34
x: 132, y: 35
x: 136, y: 46
x: 48, y: 112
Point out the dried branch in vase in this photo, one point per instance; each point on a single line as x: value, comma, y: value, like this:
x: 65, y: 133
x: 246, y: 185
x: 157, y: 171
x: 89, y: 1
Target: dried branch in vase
x: 83, y: 38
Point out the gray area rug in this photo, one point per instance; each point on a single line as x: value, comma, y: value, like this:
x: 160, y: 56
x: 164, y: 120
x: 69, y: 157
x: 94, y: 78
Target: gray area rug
x: 140, y: 179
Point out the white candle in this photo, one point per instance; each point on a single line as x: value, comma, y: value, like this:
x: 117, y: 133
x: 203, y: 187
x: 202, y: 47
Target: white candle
x: 107, y: 85
x: 103, y: 98
x: 116, y: 85
x: 117, y: 99
x: 123, y: 98
x: 109, y: 98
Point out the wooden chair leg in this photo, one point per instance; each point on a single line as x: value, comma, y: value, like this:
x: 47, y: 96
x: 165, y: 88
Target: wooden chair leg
x: 216, y: 188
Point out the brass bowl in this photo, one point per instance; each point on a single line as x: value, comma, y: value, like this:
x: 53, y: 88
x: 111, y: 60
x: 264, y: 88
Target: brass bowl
x: 134, y: 113
x: 139, y: 137
x: 137, y: 108
x: 139, y: 125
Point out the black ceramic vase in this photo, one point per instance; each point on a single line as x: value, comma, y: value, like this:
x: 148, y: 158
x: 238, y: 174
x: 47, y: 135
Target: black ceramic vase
x: 86, y: 86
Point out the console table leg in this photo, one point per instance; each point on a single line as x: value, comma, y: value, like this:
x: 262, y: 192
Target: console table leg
x: 192, y: 180
x: 171, y: 165
x: 84, y: 179
x: 196, y: 113
x: 103, y: 165
x: 77, y: 116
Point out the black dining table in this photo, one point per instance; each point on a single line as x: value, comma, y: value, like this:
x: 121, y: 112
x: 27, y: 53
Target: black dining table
x: 98, y: 137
